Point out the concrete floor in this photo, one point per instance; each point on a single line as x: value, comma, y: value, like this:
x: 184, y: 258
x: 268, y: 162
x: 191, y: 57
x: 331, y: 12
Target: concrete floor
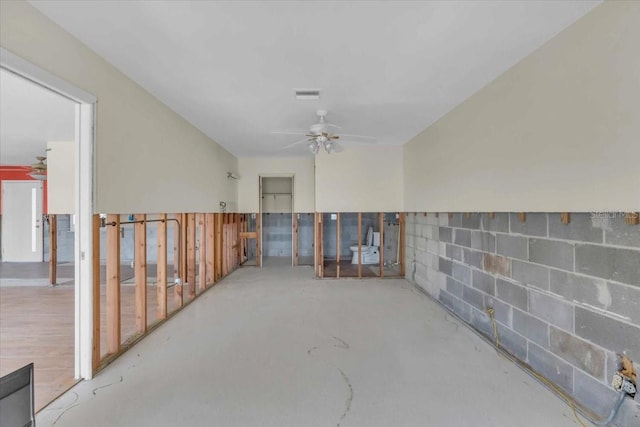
x: 273, y: 347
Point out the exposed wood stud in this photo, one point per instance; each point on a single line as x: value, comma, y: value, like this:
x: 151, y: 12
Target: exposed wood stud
x: 492, y: 215
x: 209, y: 245
x: 565, y: 217
x: 522, y: 217
x: 401, y: 236
x: 632, y: 218
x: 424, y: 214
x: 321, y: 243
x: 437, y: 215
x: 218, y: 250
x: 113, y: 284
x: 179, y: 236
x: 53, y: 249
x: 95, y: 355
x: 140, y: 271
x: 338, y: 244
x: 359, y: 244
x: 467, y: 215
x: 295, y: 238
x: 184, y: 272
x: 161, y: 283
x: 381, y: 248
x: 191, y: 254
x: 176, y: 247
x: 450, y: 214
x: 202, y: 245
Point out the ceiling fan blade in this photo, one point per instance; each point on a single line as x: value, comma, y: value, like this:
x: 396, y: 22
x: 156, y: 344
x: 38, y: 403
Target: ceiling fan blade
x: 295, y: 143
x: 366, y: 139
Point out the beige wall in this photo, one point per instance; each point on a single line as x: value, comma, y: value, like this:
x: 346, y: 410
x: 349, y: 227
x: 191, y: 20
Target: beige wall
x: 60, y: 177
x: 149, y: 159
x: 251, y: 169
x: 367, y: 179
x: 560, y: 131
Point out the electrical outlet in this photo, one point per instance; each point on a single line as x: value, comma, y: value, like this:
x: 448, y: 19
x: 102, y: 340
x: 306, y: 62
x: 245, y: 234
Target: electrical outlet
x: 622, y: 383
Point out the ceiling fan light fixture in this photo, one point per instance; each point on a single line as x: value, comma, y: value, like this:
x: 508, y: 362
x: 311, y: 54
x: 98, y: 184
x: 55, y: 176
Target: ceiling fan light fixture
x: 314, y: 147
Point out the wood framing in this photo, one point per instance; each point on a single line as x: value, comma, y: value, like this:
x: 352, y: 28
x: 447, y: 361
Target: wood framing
x: 202, y: 247
x: 359, y: 244
x: 258, y: 240
x: 522, y: 217
x: 161, y: 283
x: 217, y: 250
x: 53, y: 249
x: 113, y: 283
x: 492, y: 215
x: 95, y: 351
x: 338, y: 244
x: 294, y: 225
x: 632, y: 218
x: 401, y: 237
x: 191, y: 254
x: 140, y: 271
x: 176, y: 246
x: 565, y: 217
x: 209, y: 248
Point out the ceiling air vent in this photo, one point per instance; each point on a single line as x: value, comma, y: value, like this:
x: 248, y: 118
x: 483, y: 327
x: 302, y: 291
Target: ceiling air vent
x: 307, y: 94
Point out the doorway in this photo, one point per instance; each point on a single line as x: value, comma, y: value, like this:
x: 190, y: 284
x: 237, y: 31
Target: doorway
x: 276, y: 210
x: 22, y: 221
x: 74, y: 302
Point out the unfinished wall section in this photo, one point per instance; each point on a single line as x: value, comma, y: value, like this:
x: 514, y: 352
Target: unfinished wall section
x: 566, y: 296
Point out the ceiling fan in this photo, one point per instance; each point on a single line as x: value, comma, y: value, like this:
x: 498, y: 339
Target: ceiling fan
x: 39, y: 170
x: 320, y: 136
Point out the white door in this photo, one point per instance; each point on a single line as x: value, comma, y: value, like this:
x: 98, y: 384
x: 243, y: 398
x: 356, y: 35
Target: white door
x: 22, y: 221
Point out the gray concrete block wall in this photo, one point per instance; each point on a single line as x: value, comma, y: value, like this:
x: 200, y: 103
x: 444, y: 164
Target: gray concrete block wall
x: 566, y: 296
x: 277, y: 232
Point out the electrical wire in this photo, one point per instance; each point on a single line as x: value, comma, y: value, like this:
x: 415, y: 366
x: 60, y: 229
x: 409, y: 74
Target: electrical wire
x: 563, y: 395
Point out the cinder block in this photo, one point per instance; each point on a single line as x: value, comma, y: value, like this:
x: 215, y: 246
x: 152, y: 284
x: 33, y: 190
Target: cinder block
x: 443, y: 219
x: 446, y: 299
x: 594, y: 395
x: 607, y: 332
x: 618, y: 232
x: 444, y: 266
x: 580, y: 228
x: 454, y: 252
x: 481, y: 321
x: 552, y: 310
x: 552, y: 253
x: 484, y: 282
x: 462, y: 273
x: 455, y: 219
x: 502, y: 311
x: 431, y: 219
x: 462, y: 237
x: 445, y: 234
x: 472, y: 222
x: 454, y: 287
x: 552, y: 367
x: 533, y: 329
x: 578, y: 352
x: 625, y: 301
x: 473, y: 297
x: 472, y: 258
x: 421, y: 243
x: 535, y: 224
x: 511, y: 246
x: 620, y: 265
x: 513, y: 342
x: 432, y: 246
x: 483, y: 241
x: 511, y: 293
x: 497, y: 264
x: 530, y: 274
x: 432, y: 232
x: 499, y: 222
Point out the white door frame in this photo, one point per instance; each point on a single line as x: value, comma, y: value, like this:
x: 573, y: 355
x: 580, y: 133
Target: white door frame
x: 84, y: 199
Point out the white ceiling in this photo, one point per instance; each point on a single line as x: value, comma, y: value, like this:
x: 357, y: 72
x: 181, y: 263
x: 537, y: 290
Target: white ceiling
x: 386, y: 69
x: 31, y: 115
